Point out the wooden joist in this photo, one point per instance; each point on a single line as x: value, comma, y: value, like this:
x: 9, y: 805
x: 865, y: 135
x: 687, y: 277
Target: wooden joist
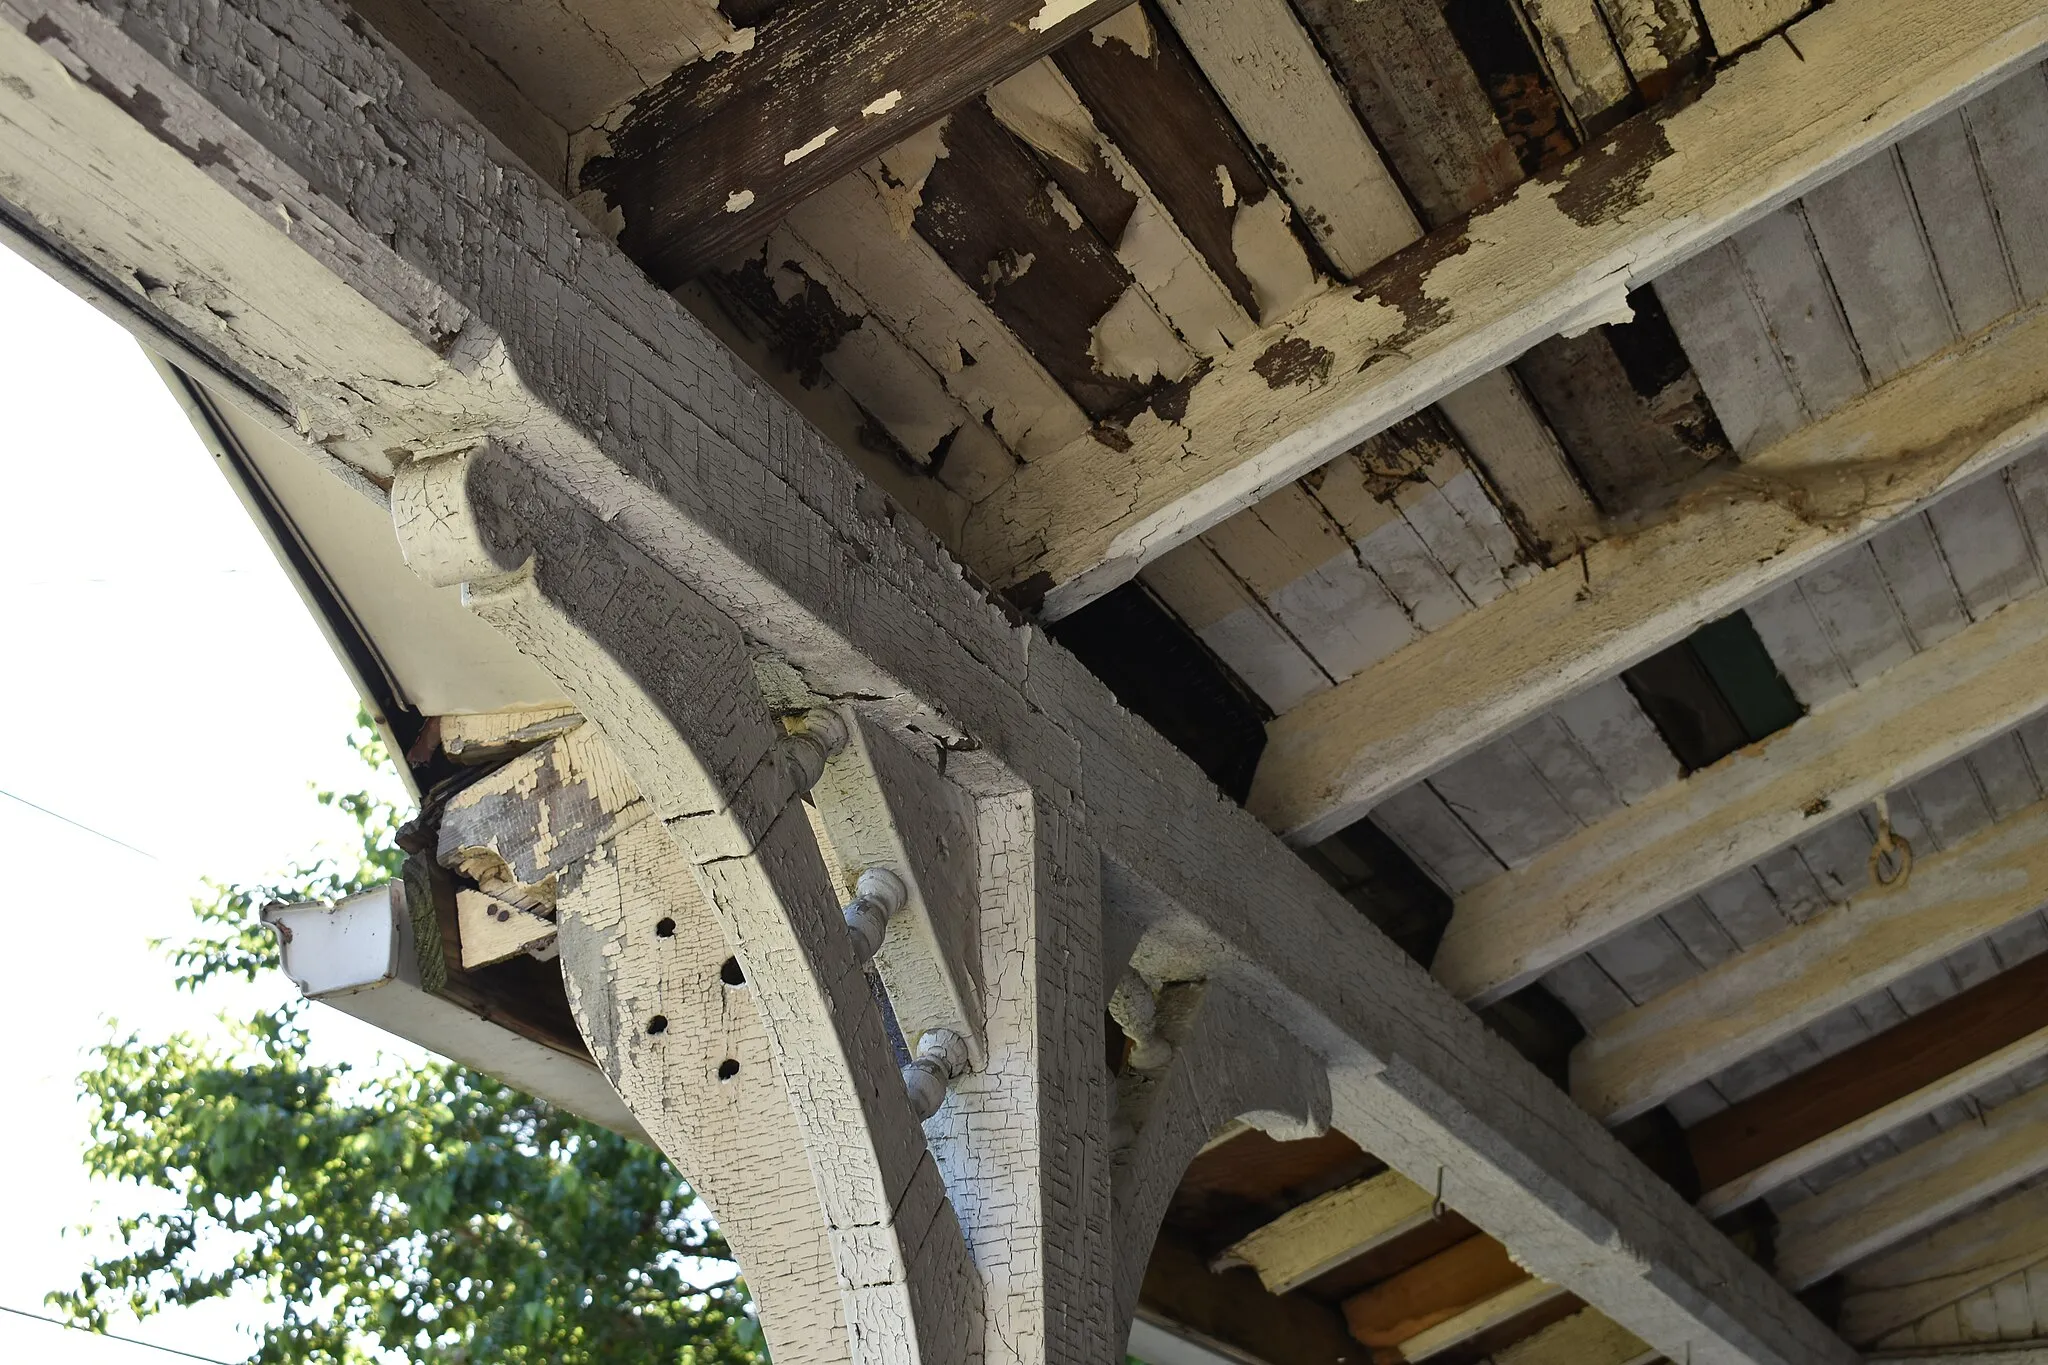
x: 1614, y: 874
x: 1557, y: 254
x: 1437, y: 1291
x: 612, y: 404
x: 710, y: 159
x: 1961, y: 1045
x: 1924, y: 1274
x: 1508, y: 1311
x: 1584, y: 1338
x: 1916, y: 1190
x: 1331, y: 1229
x: 1970, y: 409
x: 1641, y: 1058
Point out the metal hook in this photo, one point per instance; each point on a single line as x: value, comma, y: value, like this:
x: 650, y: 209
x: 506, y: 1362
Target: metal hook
x: 1436, y: 1206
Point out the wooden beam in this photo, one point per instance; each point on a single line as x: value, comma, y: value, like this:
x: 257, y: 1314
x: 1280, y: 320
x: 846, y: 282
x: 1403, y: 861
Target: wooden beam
x: 1997, y: 1355
x: 719, y: 152
x: 607, y: 393
x: 1620, y: 871
x: 1913, y: 1191
x: 1493, y: 1314
x: 1471, y: 297
x: 1920, y: 1276
x: 1331, y: 1229
x: 1336, y: 755
x: 1961, y: 1045
x: 1641, y: 1058
x: 1436, y: 1291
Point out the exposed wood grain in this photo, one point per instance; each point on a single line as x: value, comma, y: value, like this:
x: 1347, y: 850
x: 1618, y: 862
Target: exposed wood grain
x: 720, y: 151
x: 1735, y: 24
x: 1582, y: 57
x: 1331, y: 1229
x: 1509, y: 1310
x: 1659, y: 39
x: 1835, y: 958
x: 1928, y: 711
x: 1465, y: 301
x: 1920, y: 1276
x: 1871, y: 238
x: 1338, y: 753
x: 1436, y: 1291
x: 1524, y: 464
x: 1408, y: 77
x: 1913, y: 1191
x: 1585, y: 1338
x: 1961, y: 1044
x: 1267, y: 70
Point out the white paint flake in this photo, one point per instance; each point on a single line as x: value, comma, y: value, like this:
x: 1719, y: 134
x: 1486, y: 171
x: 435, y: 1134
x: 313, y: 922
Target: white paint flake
x: 1063, y: 206
x: 1229, y: 186
x: 739, y: 200
x: 1128, y: 26
x: 1133, y: 341
x: 796, y: 154
x: 1056, y: 12
x: 878, y: 107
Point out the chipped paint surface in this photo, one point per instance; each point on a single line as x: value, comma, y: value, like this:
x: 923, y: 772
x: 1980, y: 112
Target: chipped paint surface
x: 901, y: 171
x: 1128, y: 26
x: 881, y: 105
x: 796, y: 154
x: 737, y: 200
x: 1132, y: 340
x: 1262, y: 239
x: 1056, y: 11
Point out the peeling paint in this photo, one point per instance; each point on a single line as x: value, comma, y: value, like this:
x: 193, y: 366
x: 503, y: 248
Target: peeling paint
x: 1131, y: 340
x: 739, y: 200
x: 1006, y: 268
x: 1229, y: 186
x: 796, y: 154
x: 1057, y: 12
x: 1270, y: 257
x: 1063, y: 206
x: 900, y: 173
x: 876, y: 108
x: 1128, y: 26
x: 1038, y: 106
x: 1295, y: 360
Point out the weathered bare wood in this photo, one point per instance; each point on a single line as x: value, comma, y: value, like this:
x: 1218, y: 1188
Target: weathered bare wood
x: 1834, y: 959
x: 1966, y: 411
x: 1470, y: 298
x: 1907, y: 1283
x: 1855, y: 1097
x: 524, y: 323
x: 720, y: 151
x: 1913, y: 1191
x: 1332, y: 1229
x: 1436, y: 1291
x: 1585, y: 1338
x: 1618, y: 872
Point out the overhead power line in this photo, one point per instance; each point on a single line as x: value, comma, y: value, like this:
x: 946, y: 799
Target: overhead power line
x: 75, y: 824
x: 110, y: 1336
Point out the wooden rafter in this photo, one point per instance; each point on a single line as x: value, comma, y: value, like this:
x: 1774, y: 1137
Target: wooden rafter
x: 653, y: 480
x: 1742, y: 1006
x: 1616, y: 873
x: 1961, y: 1045
x: 1970, y: 409
x: 1557, y: 254
x: 1925, y: 1273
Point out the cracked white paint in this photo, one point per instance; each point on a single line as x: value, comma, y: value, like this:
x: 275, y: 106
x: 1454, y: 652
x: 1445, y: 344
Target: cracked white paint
x: 796, y: 154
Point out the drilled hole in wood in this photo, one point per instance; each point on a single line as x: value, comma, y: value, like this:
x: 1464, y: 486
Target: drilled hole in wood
x: 728, y: 1069
x: 665, y: 928
x: 658, y: 1024
x: 731, y: 974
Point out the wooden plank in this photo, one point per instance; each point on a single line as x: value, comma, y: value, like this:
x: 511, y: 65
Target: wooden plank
x: 1582, y: 58
x: 1941, y: 171
x: 1490, y: 1315
x: 1735, y: 24
x: 1332, y: 757
x: 1904, y: 1285
x: 1987, y: 551
x: 1839, y: 956
x: 1865, y: 1091
x: 1584, y: 1338
x: 1216, y: 605
x: 1150, y: 98
x: 716, y: 154
x: 616, y: 394
x: 1921, y: 586
x: 1405, y: 72
x: 2009, y: 127
x: 1433, y: 1292
x: 1617, y: 873
x: 1459, y: 304
x: 1524, y: 464
x: 1914, y: 1191
x: 1268, y: 72
x: 1792, y: 290
x: 1713, y: 309
x: 1871, y: 239
x: 1659, y: 39
x: 1332, y: 1229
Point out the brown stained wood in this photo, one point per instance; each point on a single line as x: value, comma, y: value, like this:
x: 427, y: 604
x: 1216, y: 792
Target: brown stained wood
x: 1427, y: 111
x: 1410, y: 1249
x: 1485, y: 1346
x: 1435, y: 1291
x: 989, y: 215
x: 1530, y: 111
x: 1234, y: 1308
x: 1247, y: 1181
x: 1746, y: 1136
x: 1633, y: 452
x: 706, y: 162
x: 1159, y: 110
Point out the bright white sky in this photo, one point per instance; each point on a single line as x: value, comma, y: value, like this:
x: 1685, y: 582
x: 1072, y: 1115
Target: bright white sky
x: 164, y: 684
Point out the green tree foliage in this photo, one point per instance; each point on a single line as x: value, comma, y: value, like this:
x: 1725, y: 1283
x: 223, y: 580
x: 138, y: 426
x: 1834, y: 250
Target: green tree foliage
x: 424, y: 1211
